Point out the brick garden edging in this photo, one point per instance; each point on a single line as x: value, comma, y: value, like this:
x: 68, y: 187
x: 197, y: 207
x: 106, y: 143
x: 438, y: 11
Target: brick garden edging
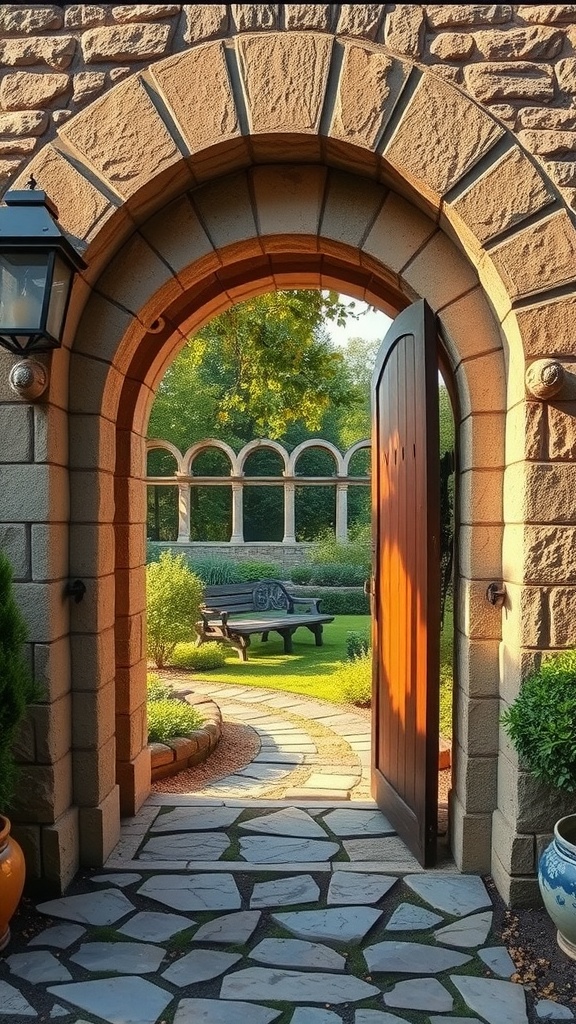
x: 186, y: 751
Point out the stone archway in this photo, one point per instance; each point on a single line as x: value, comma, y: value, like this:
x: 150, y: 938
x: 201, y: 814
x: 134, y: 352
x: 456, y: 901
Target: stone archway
x: 390, y: 185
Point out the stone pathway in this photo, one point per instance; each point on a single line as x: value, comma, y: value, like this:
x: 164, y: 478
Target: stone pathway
x: 292, y: 731
x: 333, y: 939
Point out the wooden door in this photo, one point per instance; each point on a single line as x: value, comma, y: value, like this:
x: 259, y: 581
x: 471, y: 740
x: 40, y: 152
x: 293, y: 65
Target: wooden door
x: 406, y: 585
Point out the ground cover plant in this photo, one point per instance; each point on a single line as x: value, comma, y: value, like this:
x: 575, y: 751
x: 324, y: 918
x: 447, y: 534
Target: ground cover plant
x: 167, y: 716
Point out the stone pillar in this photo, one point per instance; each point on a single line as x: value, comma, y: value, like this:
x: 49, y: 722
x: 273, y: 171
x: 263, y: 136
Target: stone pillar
x: 183, y: 514
x: 237, y: 514
x: 341, y: 512
x: 289, y: 513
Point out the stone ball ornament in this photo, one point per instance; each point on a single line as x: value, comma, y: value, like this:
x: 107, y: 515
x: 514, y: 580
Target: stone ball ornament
x: 545, y: 378
x: 28, y: 378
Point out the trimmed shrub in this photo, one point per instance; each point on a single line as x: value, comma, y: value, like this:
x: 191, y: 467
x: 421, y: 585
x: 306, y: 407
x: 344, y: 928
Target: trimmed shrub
x: 541, y: 722
x: 354, y: 680
x: 215, y: 571
x: 344, y: 602
x: 168, y: 718
x: 17, y: 688
x: 253, y: 570
x: 302, y: 574
x: 199, y: 659
x: 357, y: 644
x: 331, y: 575
x: 356, y: 551
x: 174, y: 596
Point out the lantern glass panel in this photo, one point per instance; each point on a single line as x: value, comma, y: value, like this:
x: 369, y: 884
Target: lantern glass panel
x: 22, y: 290
x: 59, y: 290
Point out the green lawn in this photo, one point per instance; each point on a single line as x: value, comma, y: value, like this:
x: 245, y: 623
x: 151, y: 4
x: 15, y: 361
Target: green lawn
x: 310, y: 669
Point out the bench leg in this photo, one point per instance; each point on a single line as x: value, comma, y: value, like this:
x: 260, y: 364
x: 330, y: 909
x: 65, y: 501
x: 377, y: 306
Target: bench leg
x: 317, y: 629
x: 286, y: 635
x: 241, y: 644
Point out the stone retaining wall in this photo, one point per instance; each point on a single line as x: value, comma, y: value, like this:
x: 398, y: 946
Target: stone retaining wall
x: 517, y: 60
x: 285, y: 555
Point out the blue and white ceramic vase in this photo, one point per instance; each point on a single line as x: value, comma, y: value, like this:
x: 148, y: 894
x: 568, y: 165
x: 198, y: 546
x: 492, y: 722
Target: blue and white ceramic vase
x: 557, y: 880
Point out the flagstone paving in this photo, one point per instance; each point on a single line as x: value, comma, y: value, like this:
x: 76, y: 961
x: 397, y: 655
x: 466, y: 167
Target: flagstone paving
x: 264, y: 910
x: 325, y: 943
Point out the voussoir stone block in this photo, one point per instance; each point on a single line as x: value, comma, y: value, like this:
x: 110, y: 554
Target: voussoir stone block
x: 369, y: 84
x: 546, y: 329
x: 542, y: 256
x: 439, y: 138
x: 29, y: 90
x: 123, y: 137
x: 197, y: 88
x: 285, y: 79
x: 506, y: 194
x: 288, y: 200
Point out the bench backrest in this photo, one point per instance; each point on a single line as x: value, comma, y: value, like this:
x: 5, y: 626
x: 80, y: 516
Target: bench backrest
x: 259, y: 596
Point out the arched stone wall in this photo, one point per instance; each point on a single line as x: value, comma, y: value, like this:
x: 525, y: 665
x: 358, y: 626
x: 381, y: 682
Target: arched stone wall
x: 318, y: 162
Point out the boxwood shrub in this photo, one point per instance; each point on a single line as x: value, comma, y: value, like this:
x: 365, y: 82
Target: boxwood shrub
x: 168, y: 718
x: 339, y: 602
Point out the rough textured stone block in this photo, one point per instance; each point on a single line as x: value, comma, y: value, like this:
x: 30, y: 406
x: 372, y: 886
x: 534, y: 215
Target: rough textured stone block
x: 134, y: 780
x: 307, y: 17
x: 27, y: 90
x: 22, y: 20
x: 452, y: 46
x: 44, y: 792
x: 525, y: 622
x: 52, y: 668
x: 248, y: 17
x: 547, y: 13
x: 84, y: 15
x: 80, y: 204
x: 204, y: 21
x: 445, y: 15
x: 441, y: 135
x: 144, y: 12
x: 52, y: 729
x: 506, y: 194
x: 291, y: 71
x: 370, y: 81
x: 404, y: 29
x: 94, y: 774
x: 529, y: 43
x: 442, y: 274
x: 198, y: 90
x: 15, y: 543
x: 543, y: 327
x: 53, y: 51
x: 521, y: 81
x: 122, y: 135
x: 470, y: 838
x: 541, y: 256
x: 562, y: 608
x: 126, y: 42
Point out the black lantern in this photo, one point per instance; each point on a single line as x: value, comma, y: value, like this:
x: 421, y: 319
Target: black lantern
x: 37, y: 266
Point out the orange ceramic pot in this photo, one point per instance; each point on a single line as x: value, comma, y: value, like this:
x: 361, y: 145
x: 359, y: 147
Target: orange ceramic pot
x: 12, y: 875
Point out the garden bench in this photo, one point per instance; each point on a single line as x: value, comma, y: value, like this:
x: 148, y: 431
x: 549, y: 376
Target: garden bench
x: 226, y: 614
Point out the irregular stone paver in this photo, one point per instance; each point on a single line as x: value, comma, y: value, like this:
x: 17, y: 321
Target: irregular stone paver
x: 453, y: 894
x: 200, y: 965
x: 284, y: 892
x: 119, y: 957
x: 420, y: 994
x: 337, y: 924
x: 264, y: 772
x: 351, y: 823
x: 498, y: 960
x: 285, y: 850
x: 277, y: 757
x: 377, y: 1017
x: 120, y: 880
x: 60, y: 936
x: 232, y: 929
x: 198, y: 819
x: 260, y: 983
x: 389, y: 849
x: 155, y: 926
x: 498, y: 1002
x: 193, y: 892
x: 547, y: 1009
x: 467, y: 932
x: 320, y: 780
x: 99, y: 908
x: 408, y: 917
x: 212, y: 1011
x: 454, y: 1020
x: 188, y: 846
x: 297, y: 953
x: 358, y: 888
x: 38, y: 967
x: 290, y: 821
x: 314, y: 1015
x: 11, y: 1002
x: 117, y: 1000
x: 406, y: 957
x: 58, y: 1011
